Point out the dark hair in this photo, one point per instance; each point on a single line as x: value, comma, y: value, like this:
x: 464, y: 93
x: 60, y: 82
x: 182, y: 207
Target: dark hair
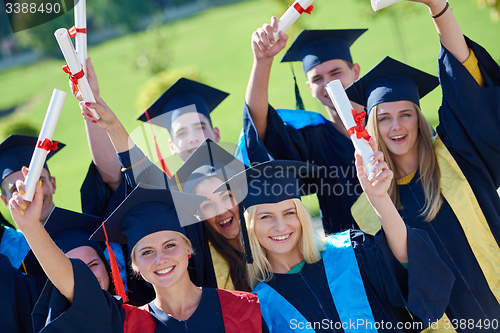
x: 234, y: 258
x: 349, y: 64
x: 111, y: 287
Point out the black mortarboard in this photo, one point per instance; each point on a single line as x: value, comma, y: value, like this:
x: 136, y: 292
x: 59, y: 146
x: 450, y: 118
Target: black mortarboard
x: 16, y: 152
x: 182, y: 97
x: 270, y: 182
x: 314, y: 47
x: 68, y: 230
x: 391, y: 81
x: 208, y: 160
x: 146, y: 210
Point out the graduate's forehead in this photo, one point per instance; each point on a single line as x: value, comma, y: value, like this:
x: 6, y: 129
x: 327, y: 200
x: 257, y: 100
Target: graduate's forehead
x: 84, y: 253
x: 188, y: 120
x: 327, y: 67
x: 281, y: 206
x: 158, y: 238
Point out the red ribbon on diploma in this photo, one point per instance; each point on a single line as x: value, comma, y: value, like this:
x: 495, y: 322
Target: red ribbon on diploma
x: 301, y: 10
x: 47, y: 145
x: 359, y: 129
x: 73, y: 30
x: 73, y: 77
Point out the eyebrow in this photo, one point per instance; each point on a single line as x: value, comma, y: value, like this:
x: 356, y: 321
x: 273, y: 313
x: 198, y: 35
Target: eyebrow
x: 286, y: 210
x: 384, y: 113
x: 201, y: 122
x: 92, y: 261
x: 150, y: 247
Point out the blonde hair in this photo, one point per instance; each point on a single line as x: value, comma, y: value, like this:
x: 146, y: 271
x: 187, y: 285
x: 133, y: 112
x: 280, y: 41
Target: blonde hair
x: 311, y: 243
x: 133, y: 263
x: 427, y: 164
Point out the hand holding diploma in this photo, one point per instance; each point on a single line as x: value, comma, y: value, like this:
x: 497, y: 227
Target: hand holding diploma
x: 74, y: 68
x: 45, y: 144
x: 292, y: 14
x: 264, y: 44
x: 353, y: 122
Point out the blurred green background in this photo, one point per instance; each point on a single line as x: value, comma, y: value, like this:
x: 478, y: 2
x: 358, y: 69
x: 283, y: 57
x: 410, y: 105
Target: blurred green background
x: 213, y: 46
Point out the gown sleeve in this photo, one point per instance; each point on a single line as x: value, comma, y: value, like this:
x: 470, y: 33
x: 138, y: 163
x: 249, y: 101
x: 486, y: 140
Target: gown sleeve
x: 423, y: 288
x: 92, y: 310
x: 470, y: 114
x: 143, y: 171
x: 19, y: 295
x: 282, y: 142
x: 97, y: 197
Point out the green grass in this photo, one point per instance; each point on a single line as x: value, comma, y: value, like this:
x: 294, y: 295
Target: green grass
x: 217, y: 43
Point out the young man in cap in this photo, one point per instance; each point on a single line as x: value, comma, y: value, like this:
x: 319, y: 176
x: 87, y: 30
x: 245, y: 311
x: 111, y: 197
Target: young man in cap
x: 15, y: 153
x: 326, y: 57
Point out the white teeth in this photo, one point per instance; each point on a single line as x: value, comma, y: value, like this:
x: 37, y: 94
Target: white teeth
x: 280, y: 238
x: 165, y: 271
x: 398, y: 137
x: 226, y: 221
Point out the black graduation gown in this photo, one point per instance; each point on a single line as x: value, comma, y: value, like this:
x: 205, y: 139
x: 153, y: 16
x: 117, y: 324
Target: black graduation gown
x: 18, y: 298
x: 471, y: 297
x: 94, y: 310
x: 469, y: 122
x: 337, y: 187
x: 423, y: 288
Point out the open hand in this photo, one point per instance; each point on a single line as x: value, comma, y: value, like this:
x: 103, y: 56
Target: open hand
x: 263, y: 44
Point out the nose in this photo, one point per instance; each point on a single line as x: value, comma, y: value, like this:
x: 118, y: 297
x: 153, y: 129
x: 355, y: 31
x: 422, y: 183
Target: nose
x: 395, y: 125
x: 279, y: 224
x: 161, y: 257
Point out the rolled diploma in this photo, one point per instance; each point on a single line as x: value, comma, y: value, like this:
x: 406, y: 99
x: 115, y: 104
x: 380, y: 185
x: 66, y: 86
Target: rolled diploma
x: 81, y: 38
x: 289, y: 17
x: 69, y: 54
x: 344, y: 109
x: 379, y: 4
x: 47, y: 132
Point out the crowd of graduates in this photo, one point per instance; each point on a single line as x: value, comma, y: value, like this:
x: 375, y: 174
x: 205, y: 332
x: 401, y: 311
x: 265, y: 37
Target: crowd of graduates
x: 226, y: 245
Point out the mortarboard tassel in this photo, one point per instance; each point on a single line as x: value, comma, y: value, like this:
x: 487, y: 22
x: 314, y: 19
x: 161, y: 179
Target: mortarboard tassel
x: 244, y: 233
x: 115, y: 272
x: 158, y: 152
x: 299, y: 104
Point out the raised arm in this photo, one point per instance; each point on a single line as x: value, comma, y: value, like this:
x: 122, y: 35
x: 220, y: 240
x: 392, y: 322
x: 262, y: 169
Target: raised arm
x: 375, y: 186
x: 264, y: 49
x: 53, y: 261
x: 101, y: 149
x: 447, y: 27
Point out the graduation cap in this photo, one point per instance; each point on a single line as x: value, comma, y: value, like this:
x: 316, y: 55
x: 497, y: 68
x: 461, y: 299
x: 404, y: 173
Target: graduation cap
x: 391, y: 81
x: 69, y: 230
x: 314, y: 47
x: 146, y: 210
x: 16, y: 152
x: 208, y: 160
x: 182, y: 97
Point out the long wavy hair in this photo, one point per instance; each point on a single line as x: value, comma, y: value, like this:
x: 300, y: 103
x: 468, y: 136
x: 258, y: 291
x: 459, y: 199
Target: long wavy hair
x: 427, y: 164
x: 310, y: 243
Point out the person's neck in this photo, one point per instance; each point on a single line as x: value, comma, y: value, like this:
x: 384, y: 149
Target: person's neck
x: 179, y: 301
x: 236, y: 244
x: 405, y: 164
x: 284, y: 262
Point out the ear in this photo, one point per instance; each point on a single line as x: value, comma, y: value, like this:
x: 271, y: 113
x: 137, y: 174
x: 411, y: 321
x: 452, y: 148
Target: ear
x: 53, y: 183
x: 356, y: 70
x: 173, y: 147
x: 216, y: 134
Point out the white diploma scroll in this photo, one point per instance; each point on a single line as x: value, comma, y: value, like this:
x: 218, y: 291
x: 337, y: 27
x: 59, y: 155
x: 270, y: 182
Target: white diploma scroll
x: 46, y: 133
x: 344, y: 109
x: 290, y: 16
x: 81, y: 38
x: 74, y: 65
x: 379, y: 4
